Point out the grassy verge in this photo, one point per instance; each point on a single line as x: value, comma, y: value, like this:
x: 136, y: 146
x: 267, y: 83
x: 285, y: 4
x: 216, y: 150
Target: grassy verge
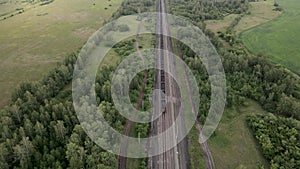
x: 195, y: 151
x: 233, y: 144
x: 279, y: 38
x: 133, y: 162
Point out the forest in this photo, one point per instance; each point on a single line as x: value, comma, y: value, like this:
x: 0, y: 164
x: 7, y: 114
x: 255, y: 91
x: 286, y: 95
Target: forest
x: 40, y: 128
x: 279, y: 139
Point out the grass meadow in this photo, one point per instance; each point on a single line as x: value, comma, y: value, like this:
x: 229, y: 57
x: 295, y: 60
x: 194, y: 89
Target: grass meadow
x: 279, y: 38
x: 33, y: 42
x: 260, y: 12
x: 233, y: 145
x: 220, y: 25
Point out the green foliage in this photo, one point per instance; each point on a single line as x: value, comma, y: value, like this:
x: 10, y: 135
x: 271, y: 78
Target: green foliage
x: 123, y: 28
x: 46, y: 2
x: 125, y: 48
x: 39, y: 130
x: 279, y: 139
x: 130, y: 7
x: 255, y: 77
x: 198, y: 11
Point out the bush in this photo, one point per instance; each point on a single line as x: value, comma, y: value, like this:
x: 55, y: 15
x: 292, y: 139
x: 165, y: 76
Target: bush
x: 123, y: 28
x: 279, y: 139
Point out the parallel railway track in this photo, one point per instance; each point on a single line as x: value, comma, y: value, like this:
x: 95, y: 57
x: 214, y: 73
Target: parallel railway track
x: 167, y: 103
x: 173, y: 158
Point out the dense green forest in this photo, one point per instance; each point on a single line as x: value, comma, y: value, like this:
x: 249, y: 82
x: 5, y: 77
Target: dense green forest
x: 279, y: 138
x: 40, y: 128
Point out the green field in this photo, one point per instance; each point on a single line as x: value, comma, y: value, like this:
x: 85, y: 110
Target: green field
x: 259, y: 12
x: 279, y: 38
x: 33, y: 42
x: 234, y: 145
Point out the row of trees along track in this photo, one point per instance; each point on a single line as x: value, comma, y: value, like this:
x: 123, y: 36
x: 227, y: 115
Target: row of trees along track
x: 129, y: 124
x: 209, y: 163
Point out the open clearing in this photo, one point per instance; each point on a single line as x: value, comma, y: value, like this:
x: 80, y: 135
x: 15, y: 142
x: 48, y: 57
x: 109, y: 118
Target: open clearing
x: 260, y: 12
x: 220, y: 25
x: 33, y: 42
x: 279, y: 38
x: 233, y: 145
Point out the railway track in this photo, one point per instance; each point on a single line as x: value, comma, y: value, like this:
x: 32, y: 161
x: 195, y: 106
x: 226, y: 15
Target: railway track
x: 169, y: 106
x: 209, y: 163
x: 167, y: 103
x: 178, y: 156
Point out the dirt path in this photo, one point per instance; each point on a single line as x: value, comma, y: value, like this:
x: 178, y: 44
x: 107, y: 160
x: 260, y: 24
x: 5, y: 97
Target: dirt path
x: 208, y: 157
x: 129, y: 123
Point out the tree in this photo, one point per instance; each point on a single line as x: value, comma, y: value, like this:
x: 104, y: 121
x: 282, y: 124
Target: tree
x: 4, y: 154
x: 23, y: 152
x: 123, y: 28
x: 60, y: 130
x: 75, y: 155
x: 17, y: 114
